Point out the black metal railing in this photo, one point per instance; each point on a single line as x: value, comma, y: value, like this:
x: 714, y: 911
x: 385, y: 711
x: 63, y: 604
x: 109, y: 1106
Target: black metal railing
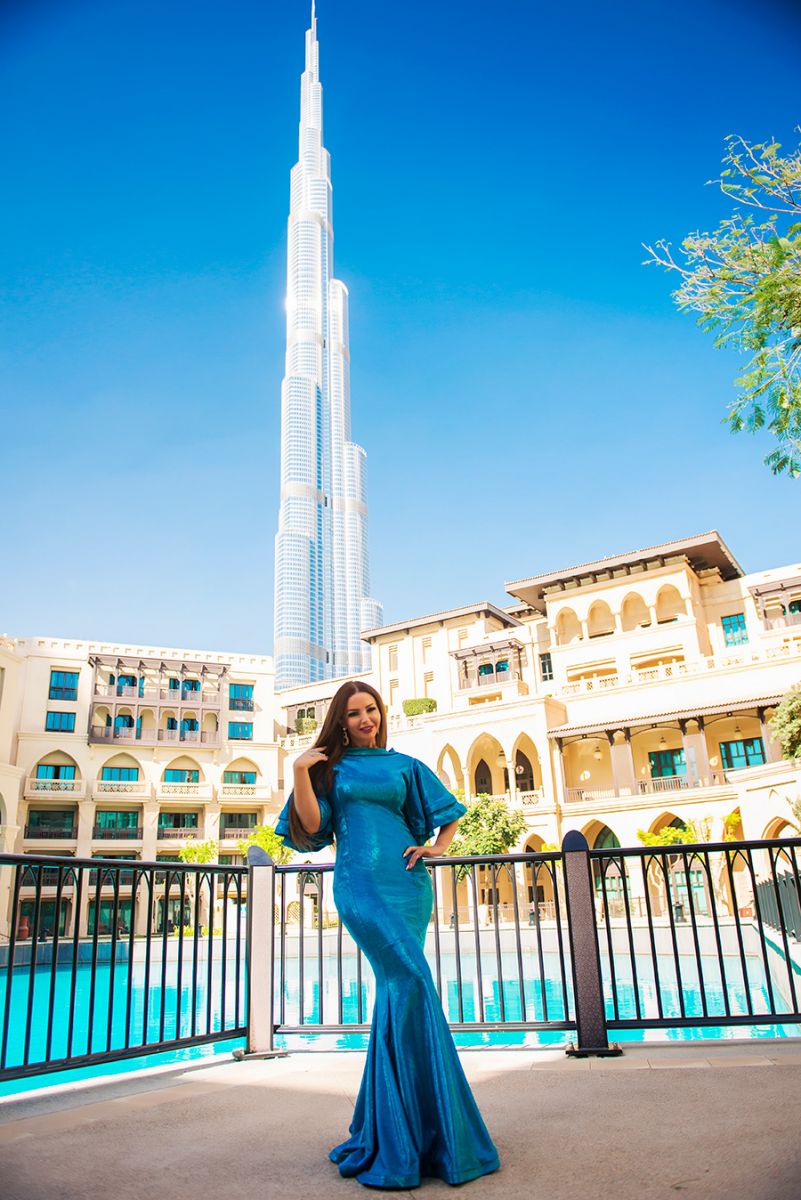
x: 578, y: 940
x: 496, y: 942
x: 715, y: 948
x: 123, y: 960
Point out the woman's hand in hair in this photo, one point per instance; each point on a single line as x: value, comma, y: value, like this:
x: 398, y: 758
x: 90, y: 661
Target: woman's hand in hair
x: 308, y: 759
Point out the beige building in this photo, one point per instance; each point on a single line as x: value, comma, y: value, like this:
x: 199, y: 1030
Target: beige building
x: 616, y: 696
x: 130, y: 752
x: 612, y: 697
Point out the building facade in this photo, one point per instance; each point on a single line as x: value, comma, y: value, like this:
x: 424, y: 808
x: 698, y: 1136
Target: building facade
x: 623, y: 695
x: 615, y: 697
x: 322, y: 574
x: 130, y: 752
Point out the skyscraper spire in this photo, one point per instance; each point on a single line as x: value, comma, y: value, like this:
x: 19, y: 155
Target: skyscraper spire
x: 322, y: 582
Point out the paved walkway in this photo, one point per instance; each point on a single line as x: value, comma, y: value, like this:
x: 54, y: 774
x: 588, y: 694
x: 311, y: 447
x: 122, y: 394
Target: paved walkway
x: 694, y: 1121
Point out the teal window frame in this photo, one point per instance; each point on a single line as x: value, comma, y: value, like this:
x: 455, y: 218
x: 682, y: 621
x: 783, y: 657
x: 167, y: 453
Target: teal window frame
x: 735, y: 631
x: 63, y: 685
x: 181, y: 775
x: 55, y: 771
x: 740, y: 753
x: 240, y: 731
x: 60, y: 722
x: 241, y: 778
x: 667, y: 764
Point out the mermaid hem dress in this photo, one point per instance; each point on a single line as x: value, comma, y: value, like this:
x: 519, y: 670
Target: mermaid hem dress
x: 415, y: 1115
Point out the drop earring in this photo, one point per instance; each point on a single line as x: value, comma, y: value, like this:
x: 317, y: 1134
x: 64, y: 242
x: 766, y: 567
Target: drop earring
x: 345, y: 738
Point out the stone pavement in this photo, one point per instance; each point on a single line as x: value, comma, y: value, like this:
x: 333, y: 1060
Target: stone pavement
x: 714, y: 1121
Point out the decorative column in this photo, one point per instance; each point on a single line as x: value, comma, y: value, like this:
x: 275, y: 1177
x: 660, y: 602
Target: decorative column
x: 561, y: 784
x: 696, y: 754
x: 623, y: 776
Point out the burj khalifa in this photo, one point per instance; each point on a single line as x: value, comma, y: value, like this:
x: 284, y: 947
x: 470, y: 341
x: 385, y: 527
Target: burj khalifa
x: 322, y: 572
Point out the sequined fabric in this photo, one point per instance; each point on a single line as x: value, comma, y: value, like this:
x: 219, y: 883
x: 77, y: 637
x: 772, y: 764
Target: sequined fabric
x: 415, y: 1114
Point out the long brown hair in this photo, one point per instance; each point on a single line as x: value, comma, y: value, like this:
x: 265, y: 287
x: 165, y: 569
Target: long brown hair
x: 330, y: 740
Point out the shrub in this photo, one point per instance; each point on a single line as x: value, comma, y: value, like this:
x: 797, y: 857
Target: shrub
x: 785, y: 725
x: 421, y: 704
x: 305, y: 724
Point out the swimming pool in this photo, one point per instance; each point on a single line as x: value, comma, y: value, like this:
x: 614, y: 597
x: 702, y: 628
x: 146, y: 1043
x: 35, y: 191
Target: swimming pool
x: 542, y: 997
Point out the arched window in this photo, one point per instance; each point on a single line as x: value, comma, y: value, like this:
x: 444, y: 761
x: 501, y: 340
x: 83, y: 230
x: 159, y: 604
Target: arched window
x: 482, y: 778
x: 600, y: 622
x: 634, y: 614
x: 568, y: 628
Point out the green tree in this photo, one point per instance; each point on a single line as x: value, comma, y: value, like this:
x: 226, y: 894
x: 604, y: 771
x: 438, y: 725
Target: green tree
x: 489, y: 826
x: 266, y: 837
x: 744, y: 282
x: 199, y: 852
x: 785, y: 725
x: 687, y: 833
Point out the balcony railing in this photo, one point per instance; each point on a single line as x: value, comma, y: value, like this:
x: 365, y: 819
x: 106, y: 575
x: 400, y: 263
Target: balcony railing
x: 125, y: 833
x: 107, y: 733
x: 745, y: 656
x: 200, y: 791
x: 236, y: 832
x: 67, y: 833
x: 665, y: 783
x: 535, y: 796
x: 240, y: 704
x: 120, y: 787
x: 154, y: 695
x: 496, y: 679
x: 165, y: 833
x: 74, y: 787
x: 578, y: 795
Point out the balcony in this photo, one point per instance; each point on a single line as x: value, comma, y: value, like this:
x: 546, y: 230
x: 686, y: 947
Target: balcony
x: 743, y: 656
x: 151, y: 737
x: 50, y: 832
x: 120, y: 787
x: 245, y: 791
x: 168, y: 833
x: 666, y: 785
x: 131, y: 833
x: 193, y: 791
x: 236, y: 833
x: 240, y: 704
x: 208, y: 698
x: 39, y: 787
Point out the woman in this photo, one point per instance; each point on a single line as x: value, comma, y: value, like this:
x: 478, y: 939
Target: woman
x: 415, y: 1114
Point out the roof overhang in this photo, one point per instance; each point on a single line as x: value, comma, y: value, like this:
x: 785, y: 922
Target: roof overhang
x: 704, y: 552
x: 439, y: 618
x: 643, y: 720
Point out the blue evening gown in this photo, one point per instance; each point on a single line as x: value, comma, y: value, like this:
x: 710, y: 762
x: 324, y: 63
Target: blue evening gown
x: 415, y: 1114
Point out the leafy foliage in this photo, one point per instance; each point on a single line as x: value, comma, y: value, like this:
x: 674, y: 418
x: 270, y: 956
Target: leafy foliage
x: 678, y: 835
x: 420, y: 704
x: 785, y: 725
x: 199, y: 852
x: 489, y: 826
x: 305, y: 725
x: 266, y: 837
x: 744, y: 282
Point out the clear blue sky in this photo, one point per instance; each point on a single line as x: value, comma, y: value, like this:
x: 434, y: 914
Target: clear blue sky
x: 527, y: 393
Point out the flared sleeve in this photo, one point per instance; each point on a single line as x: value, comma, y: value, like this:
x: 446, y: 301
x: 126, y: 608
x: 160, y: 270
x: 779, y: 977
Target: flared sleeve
x: 429, y: 805
x: 324, y: 835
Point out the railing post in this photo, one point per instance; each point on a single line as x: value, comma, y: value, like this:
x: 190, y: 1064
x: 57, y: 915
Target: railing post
x: 260, y: 957
x: 588, y: 992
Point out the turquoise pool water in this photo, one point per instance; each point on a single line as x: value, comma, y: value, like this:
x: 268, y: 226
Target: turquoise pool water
x: 732, y: 982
